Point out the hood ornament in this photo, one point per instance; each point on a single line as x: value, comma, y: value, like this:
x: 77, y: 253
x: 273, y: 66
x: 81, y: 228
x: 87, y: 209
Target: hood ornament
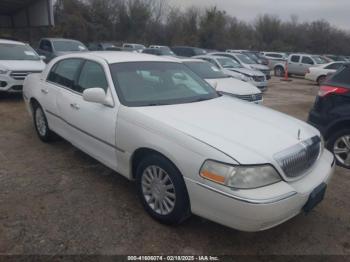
x: 299, y: 134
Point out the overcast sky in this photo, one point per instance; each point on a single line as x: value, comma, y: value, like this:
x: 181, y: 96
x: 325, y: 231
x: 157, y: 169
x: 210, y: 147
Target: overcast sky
x: 337, y: 12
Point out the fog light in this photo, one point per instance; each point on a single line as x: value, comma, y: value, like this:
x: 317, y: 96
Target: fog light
x: 3, y: 83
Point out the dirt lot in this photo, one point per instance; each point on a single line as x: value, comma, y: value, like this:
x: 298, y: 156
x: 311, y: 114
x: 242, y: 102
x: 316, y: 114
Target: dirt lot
x: 54, y: 199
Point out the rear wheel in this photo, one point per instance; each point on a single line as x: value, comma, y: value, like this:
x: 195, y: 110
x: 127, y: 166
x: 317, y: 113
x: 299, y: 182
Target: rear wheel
x: 339, y: 144
x: 41, y: 125
x: 320, y: 80
x: 279, y: 71
x: 162, y: 190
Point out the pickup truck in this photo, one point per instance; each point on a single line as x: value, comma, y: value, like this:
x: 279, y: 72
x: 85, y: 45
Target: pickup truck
x: 298, y: 64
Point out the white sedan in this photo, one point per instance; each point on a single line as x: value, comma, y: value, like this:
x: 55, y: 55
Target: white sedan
x: 189, y: 149
x: 319, y: 73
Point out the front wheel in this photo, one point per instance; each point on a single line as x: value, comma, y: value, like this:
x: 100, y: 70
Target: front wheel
x: 41, y: 125
x: 339, y: 144
x: 162, y: 190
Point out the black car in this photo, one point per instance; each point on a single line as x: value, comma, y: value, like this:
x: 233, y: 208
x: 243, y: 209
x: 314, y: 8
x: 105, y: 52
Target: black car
x: 188, y: 51
x: 331, y: 114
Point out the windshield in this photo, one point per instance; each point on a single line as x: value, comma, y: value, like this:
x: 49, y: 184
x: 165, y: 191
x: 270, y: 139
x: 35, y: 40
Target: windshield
x: 252, y: 56
x: 245, y: 59
x: 228, y: 63
x: 17, y: 52
x: 166, y: 51
x: 206, y: 70
x: 319, y: 60
x: 68, y: 46
x: 158, y: 83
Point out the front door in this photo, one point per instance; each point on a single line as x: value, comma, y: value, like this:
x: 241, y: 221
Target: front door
x: 92, y: 125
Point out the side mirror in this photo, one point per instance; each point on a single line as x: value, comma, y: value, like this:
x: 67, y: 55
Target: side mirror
x: 42, y: 57
x: 96, y: 95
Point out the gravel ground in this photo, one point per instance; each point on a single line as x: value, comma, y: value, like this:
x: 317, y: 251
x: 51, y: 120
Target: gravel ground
x: 54, y: 199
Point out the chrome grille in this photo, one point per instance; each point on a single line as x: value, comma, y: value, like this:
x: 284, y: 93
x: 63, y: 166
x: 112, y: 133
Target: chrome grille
x: 250, y: 98
x: 21, y: 75
x: 298, y: 159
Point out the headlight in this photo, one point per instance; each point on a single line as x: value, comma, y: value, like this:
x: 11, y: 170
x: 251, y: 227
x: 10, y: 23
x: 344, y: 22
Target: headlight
x: 239, y: 177
x: 3, y: 71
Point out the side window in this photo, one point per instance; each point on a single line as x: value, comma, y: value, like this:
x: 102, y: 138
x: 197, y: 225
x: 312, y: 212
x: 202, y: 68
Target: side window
x: 295, y: 59
x: 92, y: 75
x: 45, y: 45
x: 65, y: 72
x: 334, y: 66
x: 307, y: 60
x: 342, y: 77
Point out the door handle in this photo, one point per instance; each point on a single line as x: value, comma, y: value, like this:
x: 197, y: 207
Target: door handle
x: 75, y: 106
x: 44, y: 91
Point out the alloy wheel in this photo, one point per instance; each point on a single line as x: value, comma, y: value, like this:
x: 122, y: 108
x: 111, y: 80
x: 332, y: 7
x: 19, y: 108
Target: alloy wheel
x: 158, y: 190
x: 341, y: 150
x: 40, y: 121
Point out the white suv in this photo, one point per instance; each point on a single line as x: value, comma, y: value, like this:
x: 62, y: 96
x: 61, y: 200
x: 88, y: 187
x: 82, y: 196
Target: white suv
x: 17, y: 60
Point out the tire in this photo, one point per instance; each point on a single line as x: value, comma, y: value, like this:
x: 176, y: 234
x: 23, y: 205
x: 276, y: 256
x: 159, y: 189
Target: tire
x: 320, y: 80
x: 339, y: 145
x: 159, y: 181
x: 41, y: 125
x: 279, y: 71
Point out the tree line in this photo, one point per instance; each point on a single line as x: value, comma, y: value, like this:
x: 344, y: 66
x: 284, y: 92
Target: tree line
x: 156, y: 22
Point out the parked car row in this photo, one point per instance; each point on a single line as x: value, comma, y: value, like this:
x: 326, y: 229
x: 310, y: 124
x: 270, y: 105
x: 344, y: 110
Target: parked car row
x: 161, y: 122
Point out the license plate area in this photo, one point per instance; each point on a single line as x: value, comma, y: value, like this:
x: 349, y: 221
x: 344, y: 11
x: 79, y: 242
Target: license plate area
x: 315, y: 197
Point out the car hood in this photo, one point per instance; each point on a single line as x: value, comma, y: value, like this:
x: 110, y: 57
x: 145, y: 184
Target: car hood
x: 22, y: 65
x: 259, y: 67
x: 248, y: 133
x: 233, y: 86
x: 245, y: 71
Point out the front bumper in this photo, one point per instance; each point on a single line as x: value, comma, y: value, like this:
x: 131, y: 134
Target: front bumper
x: 257, y: 209
x: 8, y: 84
x: 261, y: 85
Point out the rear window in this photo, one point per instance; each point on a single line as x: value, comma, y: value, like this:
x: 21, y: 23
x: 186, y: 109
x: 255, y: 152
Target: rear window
x: 342, y: 77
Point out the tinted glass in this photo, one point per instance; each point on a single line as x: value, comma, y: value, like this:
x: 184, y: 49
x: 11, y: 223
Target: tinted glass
x: 158, y: 83
x: 45, y: 45
x: 226, y: 62
x: 334, y: 66
x: 68, y: 46
x: 245, y: 59
x: 65, y: 72
x: 17, y: 52
x: 307, y: 60
x: 295, y: 59
x: 205, y: 70
x: 342, y: 77
x: 92, y: 75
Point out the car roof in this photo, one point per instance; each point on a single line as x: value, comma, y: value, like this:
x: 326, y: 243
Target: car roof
x: 11, y: 42
x: 60, y: 39
x: 121, y: 57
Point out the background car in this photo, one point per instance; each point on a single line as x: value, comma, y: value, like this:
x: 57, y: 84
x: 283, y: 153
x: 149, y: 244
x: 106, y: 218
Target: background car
x: 17, y: 60
x: 133, y: 47
x: 298, y: 64
x: 54, y: 47
x: 319, y: 73
x: 222, y: 82
x: 236, y: 70
x: 187, y: 51
x: 158, y: 51
x: 246, y: 62
x: 254, y: 55
x: 331, y: 114
x: 101, y: 46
